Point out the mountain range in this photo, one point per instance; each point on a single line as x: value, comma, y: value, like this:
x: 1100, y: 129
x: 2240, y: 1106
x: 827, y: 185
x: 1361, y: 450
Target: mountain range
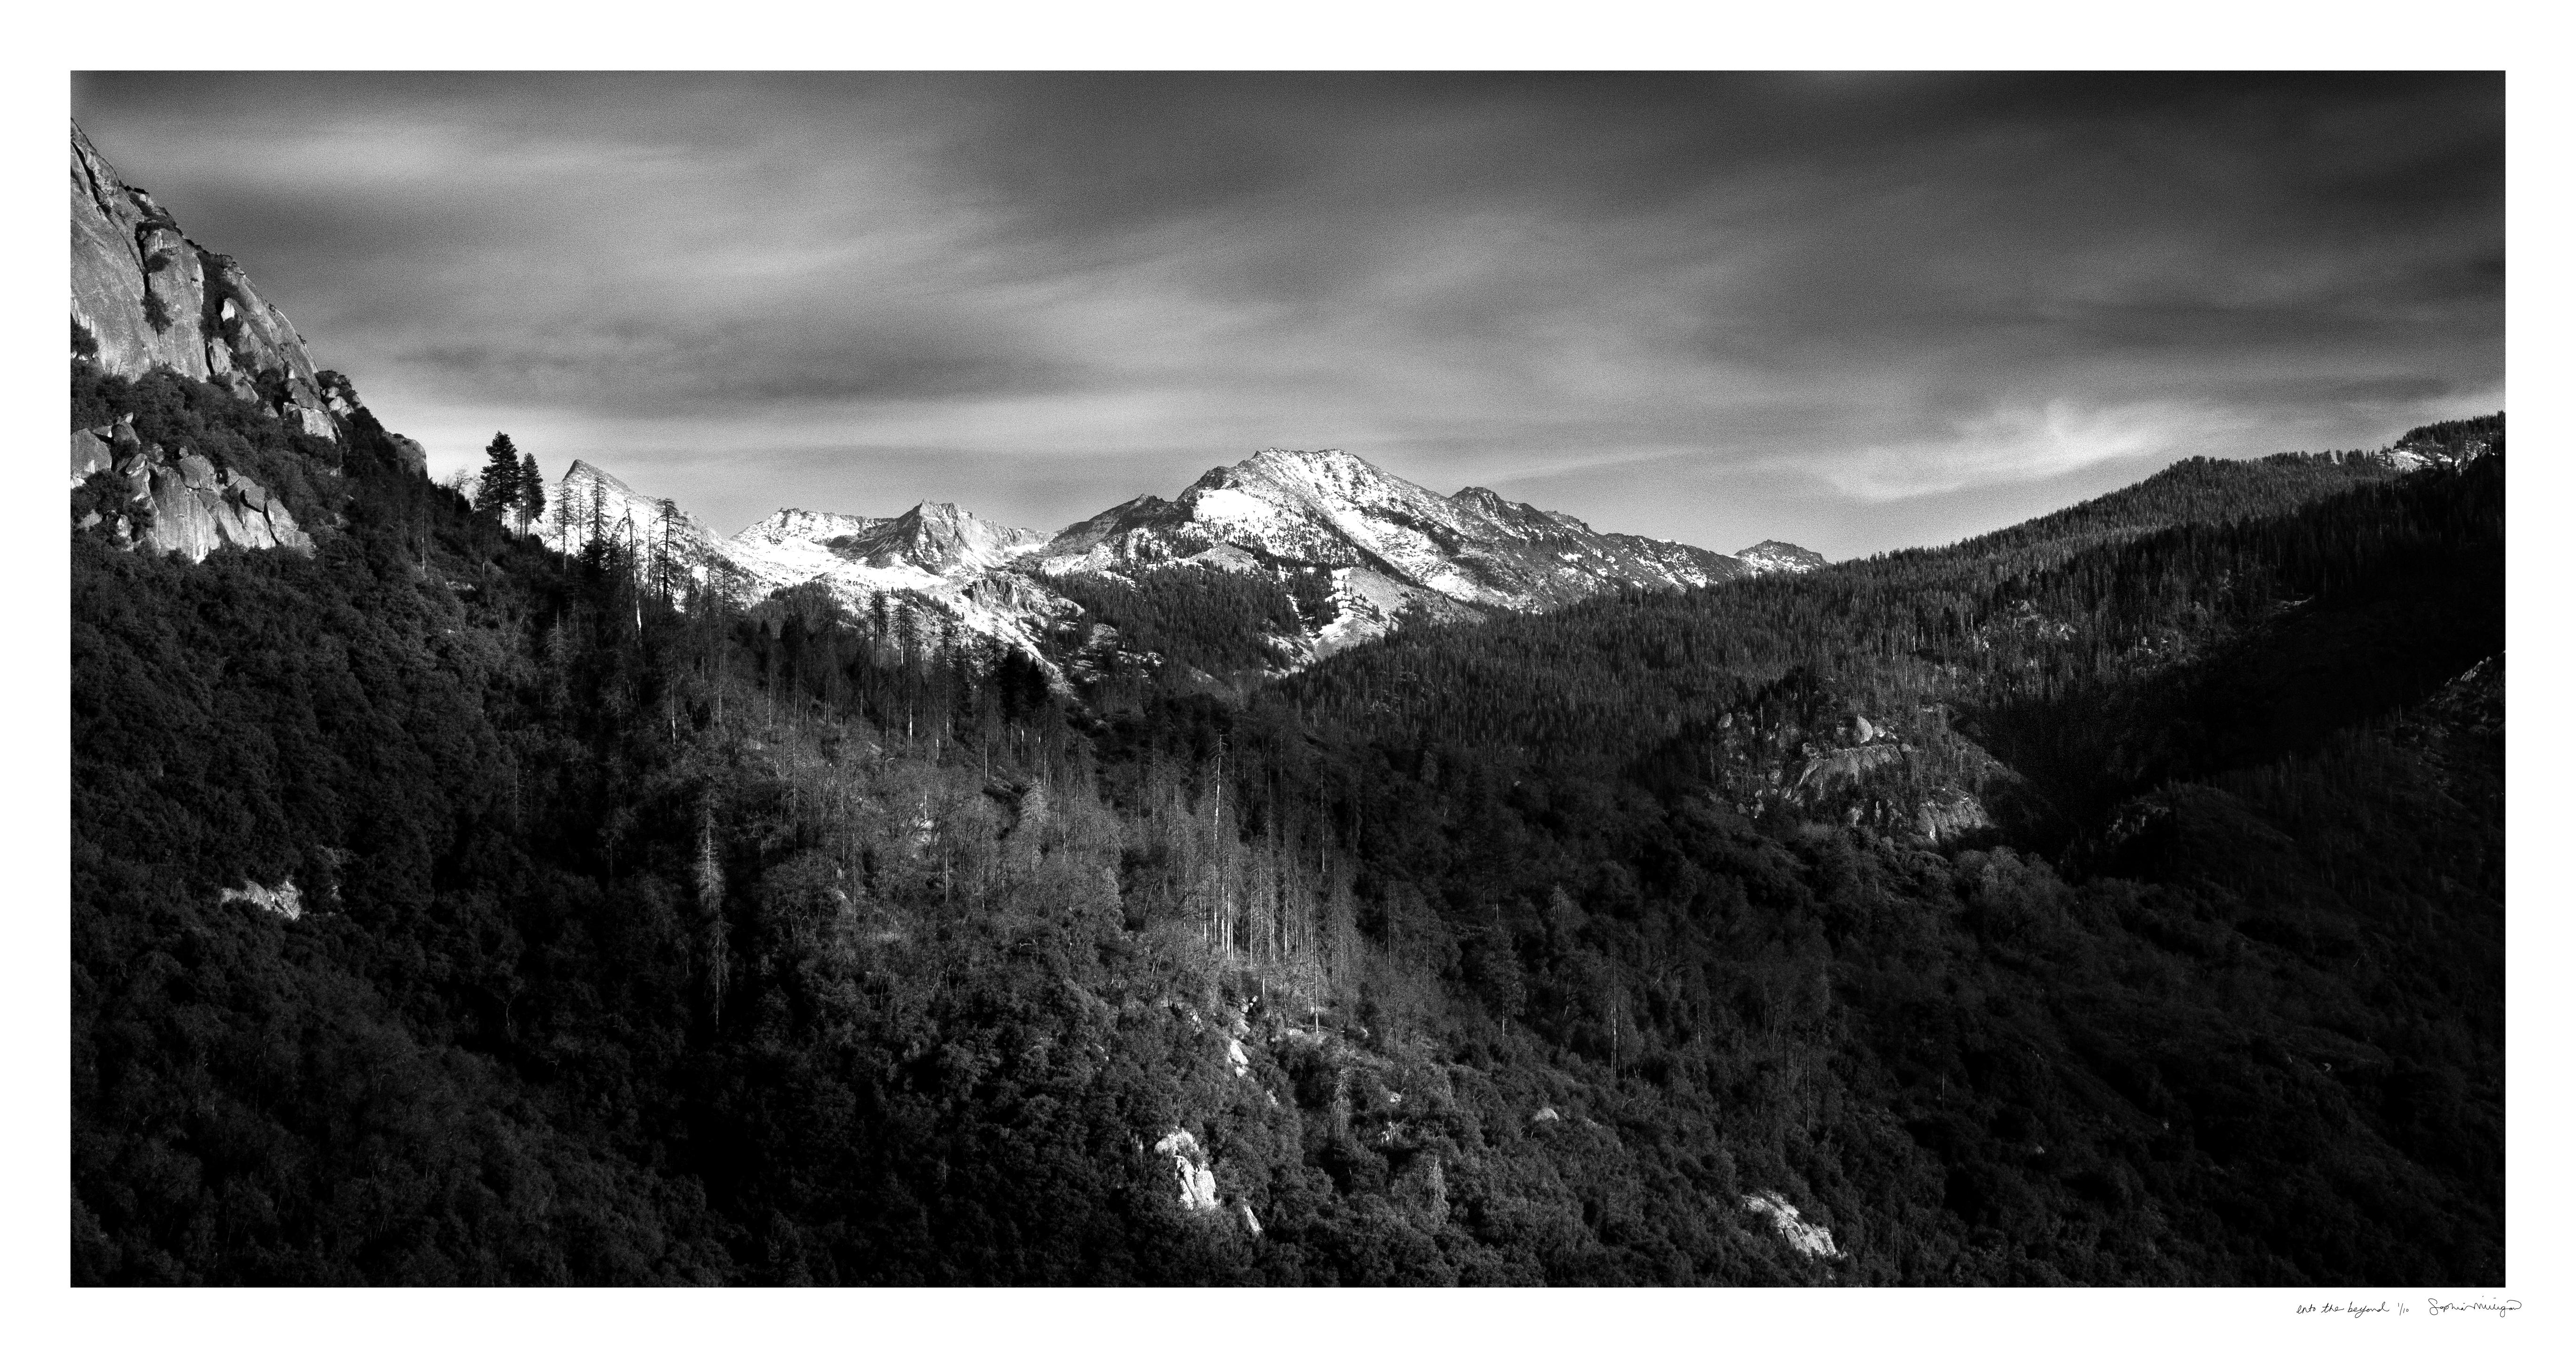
x: 1381, y: 549
x: 1371, y: 549
x: 2115, y: 898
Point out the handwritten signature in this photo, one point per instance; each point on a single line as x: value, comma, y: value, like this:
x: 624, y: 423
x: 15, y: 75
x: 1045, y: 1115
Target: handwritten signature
x: 2435, y: 1306
x: 2432, y: 1306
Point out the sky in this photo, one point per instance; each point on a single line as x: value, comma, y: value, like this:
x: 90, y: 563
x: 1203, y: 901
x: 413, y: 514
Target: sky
x: 1855, y: 312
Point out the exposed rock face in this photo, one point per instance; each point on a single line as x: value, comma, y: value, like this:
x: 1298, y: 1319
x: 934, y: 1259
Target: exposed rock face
x: 145, y: 296
x: 283, y: 900
x: 1803, y: 1236
x: 1944, y: 817
x: 180, y: 502
x: 1831, y: 769
x: 935, y: 537
x: 415, y: 457
x: 1190, y: 1167
x: 1771, y: 555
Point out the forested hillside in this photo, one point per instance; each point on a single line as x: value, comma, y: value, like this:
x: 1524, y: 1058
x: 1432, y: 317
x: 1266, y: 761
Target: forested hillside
x: 2116, y: 899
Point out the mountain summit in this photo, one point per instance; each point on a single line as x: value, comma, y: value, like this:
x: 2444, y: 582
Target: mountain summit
x: 1370, y: 547
x: 1331, y: 509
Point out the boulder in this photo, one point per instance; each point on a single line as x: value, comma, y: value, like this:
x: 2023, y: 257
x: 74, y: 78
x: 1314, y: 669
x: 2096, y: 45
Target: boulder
x: 90, y: 455
x: 288, y: 534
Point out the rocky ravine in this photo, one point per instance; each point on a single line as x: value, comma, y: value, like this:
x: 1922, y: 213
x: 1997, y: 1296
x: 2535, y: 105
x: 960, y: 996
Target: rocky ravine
x: 1391, y: 548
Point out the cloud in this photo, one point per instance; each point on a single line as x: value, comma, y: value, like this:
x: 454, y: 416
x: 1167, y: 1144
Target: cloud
x: 2028, y: 443
x: 1886, y: 290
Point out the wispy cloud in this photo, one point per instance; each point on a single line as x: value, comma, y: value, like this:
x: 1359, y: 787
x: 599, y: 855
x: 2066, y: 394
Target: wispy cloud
x: 1705, y: 307
x: 2032, y: 443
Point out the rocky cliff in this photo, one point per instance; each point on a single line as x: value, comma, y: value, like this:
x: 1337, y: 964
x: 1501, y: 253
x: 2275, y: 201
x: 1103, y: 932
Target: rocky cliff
x: 174, y: 502
x: 145, y: 298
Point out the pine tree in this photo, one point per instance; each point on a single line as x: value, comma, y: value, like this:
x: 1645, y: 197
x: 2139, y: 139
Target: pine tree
x: 532, y: 491
x: 500, y: 489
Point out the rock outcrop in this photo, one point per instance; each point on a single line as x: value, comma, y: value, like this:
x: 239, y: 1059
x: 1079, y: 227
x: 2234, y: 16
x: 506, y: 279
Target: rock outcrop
x: 1773, y: 556
x: 145, y: 296
x: 175, y: 502
x: 284, y: 900
x: 1190, y: 1168
x: 1804, y: 1236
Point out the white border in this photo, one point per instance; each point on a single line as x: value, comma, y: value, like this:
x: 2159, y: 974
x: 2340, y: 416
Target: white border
x: 48, y: 1317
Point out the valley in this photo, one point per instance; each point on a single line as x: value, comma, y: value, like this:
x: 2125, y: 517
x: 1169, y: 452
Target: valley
x: 1309, y: 879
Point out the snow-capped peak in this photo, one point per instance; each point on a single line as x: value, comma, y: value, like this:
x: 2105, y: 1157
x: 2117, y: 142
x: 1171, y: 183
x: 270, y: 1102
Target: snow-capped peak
x: 1328, y: 508
x: 1389, y: 546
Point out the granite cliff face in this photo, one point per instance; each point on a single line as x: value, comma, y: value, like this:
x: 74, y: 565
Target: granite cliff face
x: 145, y: 297
x: 175, y: 502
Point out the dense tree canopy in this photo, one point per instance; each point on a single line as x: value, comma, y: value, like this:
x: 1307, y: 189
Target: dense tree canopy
x: 2114, y: 899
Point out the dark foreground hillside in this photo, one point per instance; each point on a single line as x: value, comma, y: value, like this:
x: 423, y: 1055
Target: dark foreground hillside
x: 2121, y: 906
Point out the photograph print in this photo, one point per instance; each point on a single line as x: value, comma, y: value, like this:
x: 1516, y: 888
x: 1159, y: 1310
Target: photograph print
x: 1509, y: 679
